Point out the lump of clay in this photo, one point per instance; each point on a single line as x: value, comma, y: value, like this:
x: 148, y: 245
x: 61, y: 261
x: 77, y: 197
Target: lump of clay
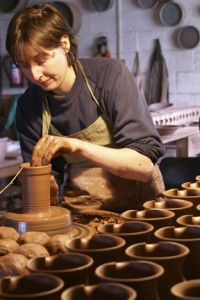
x: 7, y: 246
x: 33, y: 237
x: 56, y: 244
x: 9, y: 233
x: 31, y: 250
x: 13, y: 264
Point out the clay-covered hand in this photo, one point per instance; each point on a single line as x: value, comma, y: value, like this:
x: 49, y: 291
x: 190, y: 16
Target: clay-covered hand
x: 49, y: 146
x: 54, y: 191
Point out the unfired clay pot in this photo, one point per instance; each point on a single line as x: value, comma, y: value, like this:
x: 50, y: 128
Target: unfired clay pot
x: 156, y: 217
x: 187, y: 290
x: 132, y: 232
x: 188, y: 220
x: 73, y: 268
x: 102, y: 248
x: 178, y: 206
x: 192, y: 195
x: 169, y: 255
x: 141, y: 275
x: 101, y: 291
x: 198, y: 209
x: 190, y: 237
x: 31, y: 287
x: 191, y: 185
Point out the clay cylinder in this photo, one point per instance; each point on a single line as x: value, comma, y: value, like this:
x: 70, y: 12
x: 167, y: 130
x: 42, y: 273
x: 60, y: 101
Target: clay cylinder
x: 35, y: 188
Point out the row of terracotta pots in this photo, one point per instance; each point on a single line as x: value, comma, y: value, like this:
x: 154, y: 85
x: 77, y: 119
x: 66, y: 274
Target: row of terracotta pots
x: 151, y: 253
x: 151, y: 270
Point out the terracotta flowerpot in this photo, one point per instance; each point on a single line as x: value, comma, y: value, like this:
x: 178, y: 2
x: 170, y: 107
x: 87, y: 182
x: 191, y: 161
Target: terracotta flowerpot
x: 31, y: 287
x: 132, y: 232
x: 178, y: 206
x: 72, y: 268
x: 169, y: 255
x: 141, y: 275
x: 103, y: 291
x: 102, y: 248
x: 190, y: 237
x: 187, y: 290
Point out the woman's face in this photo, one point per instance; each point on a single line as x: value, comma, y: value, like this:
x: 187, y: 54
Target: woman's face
x: 48, y: 68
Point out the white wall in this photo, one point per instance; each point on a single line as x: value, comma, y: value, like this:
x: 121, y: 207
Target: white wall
x: 130, y: 28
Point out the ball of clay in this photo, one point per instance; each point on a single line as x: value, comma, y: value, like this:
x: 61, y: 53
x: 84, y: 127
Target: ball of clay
x: 9, y: 233
x: 13, y: 264
x: 7, y: 246
x: 56, y: 244
x: 33, y: 237
x: 31, y: 250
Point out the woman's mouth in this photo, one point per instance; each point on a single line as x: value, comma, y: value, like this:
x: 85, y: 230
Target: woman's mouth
x: 46, y: 83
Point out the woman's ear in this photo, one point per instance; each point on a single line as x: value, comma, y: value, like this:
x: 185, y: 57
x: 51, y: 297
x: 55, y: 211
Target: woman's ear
x: 65, y: 43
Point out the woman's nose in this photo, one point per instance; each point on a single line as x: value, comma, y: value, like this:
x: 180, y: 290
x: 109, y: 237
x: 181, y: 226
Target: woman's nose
x: 35, y: 73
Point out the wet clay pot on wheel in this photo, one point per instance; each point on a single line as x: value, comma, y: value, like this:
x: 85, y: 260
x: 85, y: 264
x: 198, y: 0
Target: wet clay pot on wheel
x: 72, y: 268
x: 190, y: 237
x: 102, y: 248
x: 31, y: 287
x: 141, y: 275
x: 187, y: 290
x: 178, y: 206
x: 36, y: 213
x: 132, y: 232
x: 169, y: 255
x: 102, y: 291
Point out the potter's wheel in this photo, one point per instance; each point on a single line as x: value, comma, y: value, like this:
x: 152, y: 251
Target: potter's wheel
x: 56, y: 221
x: 37, y: 214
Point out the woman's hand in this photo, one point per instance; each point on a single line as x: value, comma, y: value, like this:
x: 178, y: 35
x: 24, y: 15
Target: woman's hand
x: 54, y: 190
x: 49, y: 146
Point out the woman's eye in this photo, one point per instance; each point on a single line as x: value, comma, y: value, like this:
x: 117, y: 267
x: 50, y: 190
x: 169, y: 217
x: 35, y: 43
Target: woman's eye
x: 41, y: 60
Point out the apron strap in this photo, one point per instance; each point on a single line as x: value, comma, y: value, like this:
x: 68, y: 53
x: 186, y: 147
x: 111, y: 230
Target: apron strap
x: 46, y: 117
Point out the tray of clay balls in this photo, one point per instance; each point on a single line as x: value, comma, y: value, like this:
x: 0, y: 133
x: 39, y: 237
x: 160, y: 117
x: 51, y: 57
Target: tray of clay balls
x: 16, y: 249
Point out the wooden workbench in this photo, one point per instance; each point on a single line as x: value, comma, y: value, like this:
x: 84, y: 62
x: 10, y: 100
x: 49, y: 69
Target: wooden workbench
x: 186, y: 140
x: 10, y: 166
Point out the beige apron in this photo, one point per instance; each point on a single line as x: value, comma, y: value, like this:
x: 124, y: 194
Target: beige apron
x: 93, y: 187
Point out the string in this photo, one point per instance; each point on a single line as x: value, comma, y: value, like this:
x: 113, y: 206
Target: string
x: 11, y: 182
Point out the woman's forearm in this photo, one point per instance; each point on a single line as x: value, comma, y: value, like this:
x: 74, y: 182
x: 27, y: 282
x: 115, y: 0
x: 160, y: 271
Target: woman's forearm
x: 126, y: 163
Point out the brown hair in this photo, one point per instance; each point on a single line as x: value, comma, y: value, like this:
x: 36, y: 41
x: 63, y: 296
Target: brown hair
x: 42, y: 27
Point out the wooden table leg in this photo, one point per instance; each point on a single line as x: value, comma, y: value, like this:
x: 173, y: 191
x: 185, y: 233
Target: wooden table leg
x: 182, y: 147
